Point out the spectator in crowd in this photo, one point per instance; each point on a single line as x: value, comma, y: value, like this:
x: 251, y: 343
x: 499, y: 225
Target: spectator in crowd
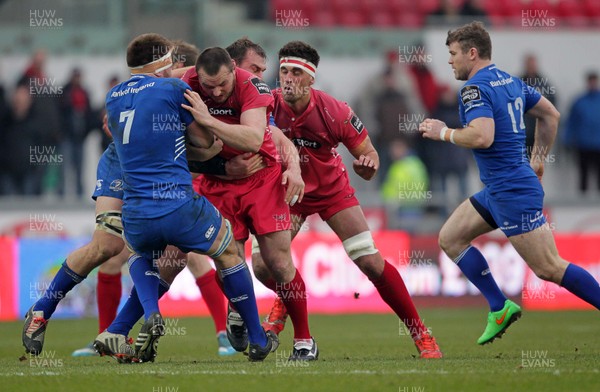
x: 35, y: 69
x: 474, y: 8
x: 402, y: 112
x: 76, y: 120
x: 33, y: 131
x: 423, y: 78
x: 98, y: 116
x: 450, y: 12
x: 583, y: 131
x: 4, y: 123
x: 445, y: 160
x: 406, y: 186
x: 532, y: 77
x: 29, y: 151
x: 391, y: 108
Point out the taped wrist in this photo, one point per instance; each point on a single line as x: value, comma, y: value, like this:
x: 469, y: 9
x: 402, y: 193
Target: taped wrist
x: 215, y: 165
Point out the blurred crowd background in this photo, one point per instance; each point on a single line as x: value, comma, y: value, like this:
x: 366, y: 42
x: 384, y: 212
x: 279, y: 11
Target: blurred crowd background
x: 386, y: 58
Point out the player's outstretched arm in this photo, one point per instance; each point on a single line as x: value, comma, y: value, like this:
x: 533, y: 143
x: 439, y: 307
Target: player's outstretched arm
x: 366, y: 163
x: 246, y: 136
x: 478, y: 134
x: 545, y: 132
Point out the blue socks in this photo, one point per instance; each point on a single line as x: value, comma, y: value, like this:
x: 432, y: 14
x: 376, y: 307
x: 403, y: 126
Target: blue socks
x: 472, y: 263
x: 581, y: 283
x: 145, y: 279
x: 237, y: 285
x: 132, y: 311
x: 64, y: 280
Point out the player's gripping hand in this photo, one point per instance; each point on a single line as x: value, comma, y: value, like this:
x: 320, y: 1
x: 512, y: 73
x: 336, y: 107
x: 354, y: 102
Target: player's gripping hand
x: 244, y: 165
x: 198, y: 108
x: 538, y: 167
x: 365, y: 167
x: 292, y: 177
x: 105, y: 126
x: 431, y: 128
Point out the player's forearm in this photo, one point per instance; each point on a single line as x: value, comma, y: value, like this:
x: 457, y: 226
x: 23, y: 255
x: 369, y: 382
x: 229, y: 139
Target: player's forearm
x: 199, y: 136
x: 240, y: 137
x: 289, y: 153
x: 545, y: 133
x: 201, y: 154
x: 469, y: 137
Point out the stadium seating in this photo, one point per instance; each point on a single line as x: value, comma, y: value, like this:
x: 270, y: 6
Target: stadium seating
x: 412, y: 14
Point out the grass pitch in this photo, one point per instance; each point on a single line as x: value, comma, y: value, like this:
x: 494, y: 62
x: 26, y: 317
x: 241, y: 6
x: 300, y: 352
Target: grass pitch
x: 554, y: 351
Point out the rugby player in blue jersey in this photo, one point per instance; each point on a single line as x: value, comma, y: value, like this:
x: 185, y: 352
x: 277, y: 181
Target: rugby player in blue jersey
x: 150, y: 127
x: 491, y: 108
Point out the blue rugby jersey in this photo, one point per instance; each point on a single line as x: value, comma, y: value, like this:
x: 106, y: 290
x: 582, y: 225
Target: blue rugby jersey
x: 495, y: 94
x: 148, y: 126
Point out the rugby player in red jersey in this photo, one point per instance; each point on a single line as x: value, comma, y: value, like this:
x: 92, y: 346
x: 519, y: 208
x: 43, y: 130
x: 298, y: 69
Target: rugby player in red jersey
x: 317, y: 123
x: 234, y: 105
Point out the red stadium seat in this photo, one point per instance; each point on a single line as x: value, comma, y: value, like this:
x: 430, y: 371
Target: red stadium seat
x: 352, y: 18
x: 427, y: 6
x: 410, y: 20
x: 591, y: 8
x: 571, y: 13
x: 383, y: 18
x: 494, y: 8
x: 323, y: 18
x: 402, y: 6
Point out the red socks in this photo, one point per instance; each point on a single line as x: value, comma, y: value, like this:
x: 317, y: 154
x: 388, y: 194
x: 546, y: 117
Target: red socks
x: 393, y: 291
x: 214, y: 298
x: 293, y: 295
x: 270, y: 284
x: 108, y: 295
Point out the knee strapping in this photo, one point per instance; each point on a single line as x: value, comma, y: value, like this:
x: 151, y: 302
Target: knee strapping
x: 225, y: 242
x: 110, y: 222
x: 360, y: 245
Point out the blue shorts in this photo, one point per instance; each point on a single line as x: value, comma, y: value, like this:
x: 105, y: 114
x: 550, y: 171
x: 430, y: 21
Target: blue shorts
x: 515, y: 210
x: 109, y: 178
x: 192, y: 227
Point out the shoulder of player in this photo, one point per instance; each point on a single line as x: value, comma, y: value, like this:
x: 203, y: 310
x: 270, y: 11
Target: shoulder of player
x: 475, y: 88
x: 338, y: 110
x: 250, y: 83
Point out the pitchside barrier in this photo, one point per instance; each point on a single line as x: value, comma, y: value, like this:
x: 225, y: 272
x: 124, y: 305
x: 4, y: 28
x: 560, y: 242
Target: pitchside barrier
x: 334, y: 284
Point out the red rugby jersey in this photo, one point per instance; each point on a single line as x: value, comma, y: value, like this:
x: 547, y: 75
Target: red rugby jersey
x: 325, y: 124
x: 249, y: 92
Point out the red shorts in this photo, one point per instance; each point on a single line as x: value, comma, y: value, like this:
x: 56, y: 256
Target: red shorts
x: 254, y: 204
x: 325, y: 205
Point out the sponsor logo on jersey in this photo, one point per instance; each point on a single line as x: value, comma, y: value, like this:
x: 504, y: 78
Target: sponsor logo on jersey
x: 501, y: 82
x: 261, y: 86
x: 508, y: 226
x: 209, y: 233
x: 356, y: 123
x: 116, y: 185
x: 99, y: 184
x: 470, y: 94
x: 222, y: 111
x: 302, y: 142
